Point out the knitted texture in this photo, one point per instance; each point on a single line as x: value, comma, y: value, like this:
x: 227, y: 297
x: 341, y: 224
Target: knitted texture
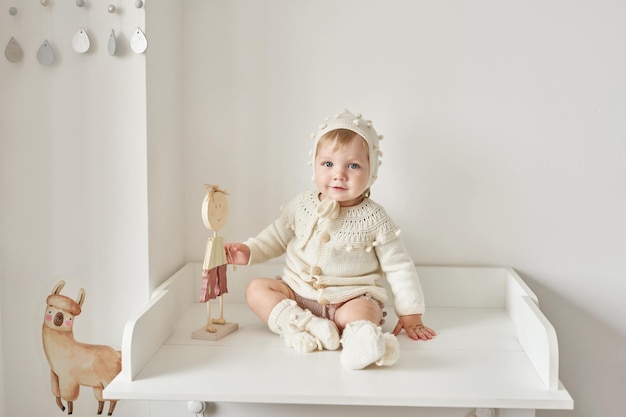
x: 333, y: 260
x: 392, y: 351
x: 364, y: 344
x: 300, y: 329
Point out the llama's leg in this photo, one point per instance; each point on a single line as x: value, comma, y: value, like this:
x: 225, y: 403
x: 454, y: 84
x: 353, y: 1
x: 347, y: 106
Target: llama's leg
x: 97, y: 392
x: 112, y: 405
x: 60, y: 404
x: 56, y: 391
x: 69, y: 392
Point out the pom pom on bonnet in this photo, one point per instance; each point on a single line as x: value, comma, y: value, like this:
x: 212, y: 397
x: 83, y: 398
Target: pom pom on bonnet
x: 360, y: 126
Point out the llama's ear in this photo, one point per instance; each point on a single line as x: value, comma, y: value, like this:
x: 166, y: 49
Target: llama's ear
x: 57, y: 288
x: 81, y: 297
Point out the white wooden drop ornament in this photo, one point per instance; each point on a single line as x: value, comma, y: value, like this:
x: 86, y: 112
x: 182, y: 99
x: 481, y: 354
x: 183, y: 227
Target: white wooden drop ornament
x: 13, y: 51
x: 81, y: 42
x: 112, y: 44
x: 45, y: 54
x: 138, y: 42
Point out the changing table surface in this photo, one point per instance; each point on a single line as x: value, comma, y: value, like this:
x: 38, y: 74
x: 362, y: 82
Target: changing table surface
x: 475, y: 361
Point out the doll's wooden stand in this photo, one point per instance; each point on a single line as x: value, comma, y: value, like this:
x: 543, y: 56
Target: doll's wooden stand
x: 222, y: 330
x: 495, y: 354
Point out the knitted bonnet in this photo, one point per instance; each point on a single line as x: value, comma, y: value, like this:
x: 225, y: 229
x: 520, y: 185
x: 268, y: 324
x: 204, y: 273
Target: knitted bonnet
x: 360, y: 126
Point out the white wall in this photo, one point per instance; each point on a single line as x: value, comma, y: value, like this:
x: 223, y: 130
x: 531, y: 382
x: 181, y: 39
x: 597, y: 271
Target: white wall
x: 505, y: 140
x: 73, y: 187
x: 164, y: 79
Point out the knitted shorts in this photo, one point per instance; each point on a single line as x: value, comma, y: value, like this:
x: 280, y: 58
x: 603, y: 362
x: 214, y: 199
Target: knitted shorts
x: 328, y: 311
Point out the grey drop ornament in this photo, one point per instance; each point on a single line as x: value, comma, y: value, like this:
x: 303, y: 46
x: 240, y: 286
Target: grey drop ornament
x: 138, y: 42
x: 13, y: 51
x: 112, y: 44
x: 45, y: 53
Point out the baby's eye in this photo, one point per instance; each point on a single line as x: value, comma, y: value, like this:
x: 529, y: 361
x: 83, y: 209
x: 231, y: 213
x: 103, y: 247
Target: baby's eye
x: 327, y: 164
x: 353, y: 166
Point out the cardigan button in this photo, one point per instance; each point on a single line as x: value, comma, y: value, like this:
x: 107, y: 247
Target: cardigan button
x: 323, y: 301
x: 325, y: 238
x: 316, y: 270
x: 317, y: 285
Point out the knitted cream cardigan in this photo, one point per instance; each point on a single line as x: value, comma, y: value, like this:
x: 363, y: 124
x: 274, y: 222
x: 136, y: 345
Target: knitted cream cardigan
x: 334, y: 260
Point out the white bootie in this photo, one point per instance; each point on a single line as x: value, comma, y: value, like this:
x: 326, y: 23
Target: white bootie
x: 301, y: 329
x: 364, y: 344
x: 392, y: 351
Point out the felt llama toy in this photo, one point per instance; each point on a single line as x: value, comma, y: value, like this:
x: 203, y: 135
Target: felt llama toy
x: 72, y: 363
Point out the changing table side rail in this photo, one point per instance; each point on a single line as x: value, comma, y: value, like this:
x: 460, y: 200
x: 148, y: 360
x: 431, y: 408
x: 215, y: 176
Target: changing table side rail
x: 153, y: 325
x: 535, y: 333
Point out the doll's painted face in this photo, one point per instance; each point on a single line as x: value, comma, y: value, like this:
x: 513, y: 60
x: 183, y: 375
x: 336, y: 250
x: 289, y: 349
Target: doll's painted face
x: 215, y: 210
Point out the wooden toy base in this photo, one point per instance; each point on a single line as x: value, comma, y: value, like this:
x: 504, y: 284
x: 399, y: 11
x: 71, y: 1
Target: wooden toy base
x: 222, y: 330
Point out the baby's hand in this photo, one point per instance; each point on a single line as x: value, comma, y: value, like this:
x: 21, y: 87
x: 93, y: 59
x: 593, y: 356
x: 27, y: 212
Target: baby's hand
x: 237, y: 253
x: 414, y: 328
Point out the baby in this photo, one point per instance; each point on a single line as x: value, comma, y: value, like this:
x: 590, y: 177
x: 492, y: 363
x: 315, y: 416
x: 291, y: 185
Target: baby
x: 339, y: 246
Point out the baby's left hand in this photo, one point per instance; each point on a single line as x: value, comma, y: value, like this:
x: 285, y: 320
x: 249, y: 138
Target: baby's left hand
x: 414, y: 328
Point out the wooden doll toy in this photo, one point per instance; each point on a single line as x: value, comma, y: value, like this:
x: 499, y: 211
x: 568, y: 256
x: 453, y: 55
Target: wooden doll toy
x: 214, y: 217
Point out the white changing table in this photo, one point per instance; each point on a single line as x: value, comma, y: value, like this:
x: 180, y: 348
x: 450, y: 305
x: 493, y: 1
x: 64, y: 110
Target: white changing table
x: 495, y: 354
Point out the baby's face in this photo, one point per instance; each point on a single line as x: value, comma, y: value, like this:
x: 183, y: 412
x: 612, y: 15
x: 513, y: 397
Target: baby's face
x: 343, y: 174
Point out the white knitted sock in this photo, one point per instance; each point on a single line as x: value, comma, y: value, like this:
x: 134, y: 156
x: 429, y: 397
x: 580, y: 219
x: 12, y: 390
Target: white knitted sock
x: 301, y: 329
x: 392, y: 351
x: 363, y: 344
x: 301, y: 341
x: 324, y: 330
